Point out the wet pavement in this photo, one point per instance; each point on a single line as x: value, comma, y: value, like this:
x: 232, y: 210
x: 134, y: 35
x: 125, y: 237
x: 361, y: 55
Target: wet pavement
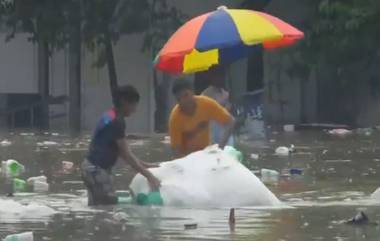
x: 339, y: 175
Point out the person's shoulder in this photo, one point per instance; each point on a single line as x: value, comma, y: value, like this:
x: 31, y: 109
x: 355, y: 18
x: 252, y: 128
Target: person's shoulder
x: 205, y: 100
x: 175, y: 112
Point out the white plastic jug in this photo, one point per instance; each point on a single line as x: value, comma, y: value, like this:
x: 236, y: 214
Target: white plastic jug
x: 12, y: 168
x: 32, y: 180
x: 40, y: 187
x: 27, y: 236
x: 269, y: 177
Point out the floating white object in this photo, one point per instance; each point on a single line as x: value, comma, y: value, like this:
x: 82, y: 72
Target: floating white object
x: 376, y: 194
x: 209, y: 178
x: 5, y: 143
x: 47, y: 143
x: 270, y: 177
x: 10, y: 210
x: 32, y: 180
x: 289, y: 128
x: 40, y: 187
x: 27, y: 236
x: 284, y: 151
x: 67, y: 166
x: 340, y: 132
x: 255, y: 156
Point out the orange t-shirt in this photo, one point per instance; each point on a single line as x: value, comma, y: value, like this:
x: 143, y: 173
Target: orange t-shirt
x: 207, y: 110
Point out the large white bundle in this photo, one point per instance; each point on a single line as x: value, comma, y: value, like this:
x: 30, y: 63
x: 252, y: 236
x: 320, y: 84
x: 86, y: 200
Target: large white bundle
x: 207, y: 178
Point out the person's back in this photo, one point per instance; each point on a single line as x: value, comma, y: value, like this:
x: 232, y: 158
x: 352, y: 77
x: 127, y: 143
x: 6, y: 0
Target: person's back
x: 103, y: 149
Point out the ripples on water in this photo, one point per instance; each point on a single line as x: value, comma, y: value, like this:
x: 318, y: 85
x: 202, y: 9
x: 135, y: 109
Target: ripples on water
x: 339, y: 176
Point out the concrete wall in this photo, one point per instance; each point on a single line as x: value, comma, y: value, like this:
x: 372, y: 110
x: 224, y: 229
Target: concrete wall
x: 18, y: 65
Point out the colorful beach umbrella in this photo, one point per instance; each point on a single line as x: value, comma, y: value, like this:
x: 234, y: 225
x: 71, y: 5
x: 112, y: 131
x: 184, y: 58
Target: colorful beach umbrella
x: 221, y: 37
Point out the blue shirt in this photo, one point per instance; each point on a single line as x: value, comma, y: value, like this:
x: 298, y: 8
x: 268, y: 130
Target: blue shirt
x: 104, y: 150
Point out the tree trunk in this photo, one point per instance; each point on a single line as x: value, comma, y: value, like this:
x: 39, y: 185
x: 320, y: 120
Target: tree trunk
x: 75, y: 74
x: 161, y: 94
x: 43, y: 82
x: 111, y: 66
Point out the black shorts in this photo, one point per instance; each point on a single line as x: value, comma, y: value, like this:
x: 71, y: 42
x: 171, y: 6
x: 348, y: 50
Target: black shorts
x: 99, y: 184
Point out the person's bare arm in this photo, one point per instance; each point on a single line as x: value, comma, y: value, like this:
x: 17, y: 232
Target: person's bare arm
x: 127, y: 155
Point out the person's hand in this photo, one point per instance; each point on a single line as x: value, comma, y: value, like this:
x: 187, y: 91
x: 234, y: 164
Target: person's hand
x: 154, y: 183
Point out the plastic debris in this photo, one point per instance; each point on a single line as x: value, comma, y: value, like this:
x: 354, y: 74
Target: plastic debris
x: 194, y: 181
x: 340, y: 132
x: 5, y: 143
x: 284, y: 151
x: 12, y: 168
x: 255, y: 156
x: 289, y: 128
x: 269, y: 177
x: 27, y: 236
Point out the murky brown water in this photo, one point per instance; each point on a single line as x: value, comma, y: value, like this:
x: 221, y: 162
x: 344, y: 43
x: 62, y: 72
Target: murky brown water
x: 339, y: 176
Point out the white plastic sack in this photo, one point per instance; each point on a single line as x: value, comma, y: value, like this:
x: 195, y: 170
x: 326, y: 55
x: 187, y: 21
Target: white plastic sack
x: 207, y: 178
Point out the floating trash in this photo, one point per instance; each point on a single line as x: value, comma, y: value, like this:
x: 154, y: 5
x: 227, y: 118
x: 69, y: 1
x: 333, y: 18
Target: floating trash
x: 269, y: 177
x: 47, y: 143
x: 340, y: 132
x: 289, y: 128
x: 67, y: 167
x: 360, y: 219
x: 27, y: 236
x: 255, y: 156
x: 284, y: 151
x: 195, y: 182
x: 39, y: 184
x: 5, y: 143
x: 12, y: 168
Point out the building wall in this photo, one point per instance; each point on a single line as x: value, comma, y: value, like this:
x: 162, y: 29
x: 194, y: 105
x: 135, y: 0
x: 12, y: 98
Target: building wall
x: 18, y: 65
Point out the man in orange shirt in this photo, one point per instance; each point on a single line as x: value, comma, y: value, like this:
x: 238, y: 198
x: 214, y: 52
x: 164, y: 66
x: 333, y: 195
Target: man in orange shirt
x: 189, y: 124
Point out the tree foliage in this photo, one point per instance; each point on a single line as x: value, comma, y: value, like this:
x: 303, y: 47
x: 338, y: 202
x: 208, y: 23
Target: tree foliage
x: 341, y: 34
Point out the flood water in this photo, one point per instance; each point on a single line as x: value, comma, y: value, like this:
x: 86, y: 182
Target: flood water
x: 339, y: 176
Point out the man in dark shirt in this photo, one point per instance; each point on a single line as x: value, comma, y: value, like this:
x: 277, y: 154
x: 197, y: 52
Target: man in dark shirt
x: 107, y: 145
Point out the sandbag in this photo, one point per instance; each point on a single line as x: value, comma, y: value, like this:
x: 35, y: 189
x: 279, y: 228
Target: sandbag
x: 210, y: 178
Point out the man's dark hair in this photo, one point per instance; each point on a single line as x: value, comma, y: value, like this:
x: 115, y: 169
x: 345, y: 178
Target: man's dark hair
x: 126, y: 93
x: 181, y: 85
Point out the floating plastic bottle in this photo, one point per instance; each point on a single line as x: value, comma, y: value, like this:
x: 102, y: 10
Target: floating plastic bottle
x: 40, y: 187
x: 270, y: 177
x: 12, y: 168
x: 233, y: 153
x: 27, y: 236
x: 19, y: 185
x: 124, y: 197
x: 32, y: 180
x: 152, y: 198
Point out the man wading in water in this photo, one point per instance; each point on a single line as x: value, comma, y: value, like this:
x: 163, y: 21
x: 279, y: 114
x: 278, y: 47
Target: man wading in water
x: 107, y: 145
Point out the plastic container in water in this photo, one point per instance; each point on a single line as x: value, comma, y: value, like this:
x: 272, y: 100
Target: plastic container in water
x: 270, y: 177
x: 27, y: 236
x: 289, y: 128
x: 295, y: 171
x: 40, y: 187
x: 124, y: 197
x: 19, y: 185
x: 152, y: 198
x: 12, y: 168
x: 32, y: 180
x: 233, y: 153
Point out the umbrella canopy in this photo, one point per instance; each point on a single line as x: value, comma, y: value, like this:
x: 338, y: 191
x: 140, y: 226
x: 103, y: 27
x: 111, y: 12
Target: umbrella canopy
x: 221, y: 37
